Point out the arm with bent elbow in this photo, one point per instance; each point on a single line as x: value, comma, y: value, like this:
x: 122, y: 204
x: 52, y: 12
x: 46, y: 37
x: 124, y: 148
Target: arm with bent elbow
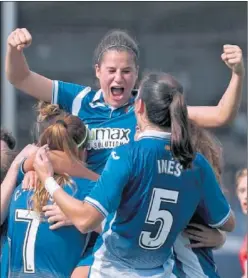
x: 7, y: 188
x: 83, y: 216
x: 227, y: 108
x: 63, y: 164
x: 9, y: 183
x: 17, y: 69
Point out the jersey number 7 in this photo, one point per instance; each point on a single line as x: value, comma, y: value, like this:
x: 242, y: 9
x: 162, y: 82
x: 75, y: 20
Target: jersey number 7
x: 155, y: 214
x: 32, y: 218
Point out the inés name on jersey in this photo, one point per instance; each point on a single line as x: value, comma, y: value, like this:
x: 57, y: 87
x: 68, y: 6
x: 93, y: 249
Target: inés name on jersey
x: 170, y: 167
x: 108, y: 137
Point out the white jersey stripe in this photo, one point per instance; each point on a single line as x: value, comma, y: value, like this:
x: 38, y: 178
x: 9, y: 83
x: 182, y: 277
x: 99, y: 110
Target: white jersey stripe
x: 222, y: 221
x: 76, y: 105
x: 97, y: 205
x: 55, y: 92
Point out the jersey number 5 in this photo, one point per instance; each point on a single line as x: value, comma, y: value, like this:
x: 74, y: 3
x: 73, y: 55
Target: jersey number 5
x: 33, y: 221
x: 154, y: 215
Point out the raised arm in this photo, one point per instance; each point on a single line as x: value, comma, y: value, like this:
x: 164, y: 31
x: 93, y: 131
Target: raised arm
x: 227, y: 108
x: 17, y: 69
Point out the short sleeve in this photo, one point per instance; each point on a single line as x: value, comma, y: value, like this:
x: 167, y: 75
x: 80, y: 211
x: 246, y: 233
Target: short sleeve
x: 107, y: 192
x: 214, y: 207
x: 69, y: 96
x: 21, y: 173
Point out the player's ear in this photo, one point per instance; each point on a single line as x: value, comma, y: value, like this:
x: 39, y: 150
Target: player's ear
x: 97, y: 70
x: 142, y: 106
x: 139, y: 106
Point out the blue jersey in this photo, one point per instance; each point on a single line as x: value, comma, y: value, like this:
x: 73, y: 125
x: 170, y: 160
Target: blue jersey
x: 3, y: 234
x: 109, y: 127
x: 34, y: 249
x: 153, y: 200
x: 196, y: 262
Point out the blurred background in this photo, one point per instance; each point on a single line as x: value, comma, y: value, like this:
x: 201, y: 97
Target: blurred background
x: 183, y: 38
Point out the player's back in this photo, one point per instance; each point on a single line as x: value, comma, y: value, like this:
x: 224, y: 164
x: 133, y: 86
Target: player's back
x: 156, y: 204
x: 37, y: 251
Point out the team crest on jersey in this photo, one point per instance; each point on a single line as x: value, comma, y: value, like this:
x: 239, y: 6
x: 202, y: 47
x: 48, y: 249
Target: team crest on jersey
x: 115, y: 156
x: 108, y: 138
x: 18, y: 194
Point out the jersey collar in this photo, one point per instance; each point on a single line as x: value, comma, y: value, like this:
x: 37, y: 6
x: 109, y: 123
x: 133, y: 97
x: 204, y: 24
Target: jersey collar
x: 154, y: 133
x: 99, y: 98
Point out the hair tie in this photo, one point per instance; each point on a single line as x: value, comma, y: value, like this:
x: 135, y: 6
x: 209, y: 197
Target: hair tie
x: 62, y: 122
x: 84, y: 139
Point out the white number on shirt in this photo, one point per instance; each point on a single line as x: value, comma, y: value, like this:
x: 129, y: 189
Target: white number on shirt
x: 31, y: 217
x: 154, y: 215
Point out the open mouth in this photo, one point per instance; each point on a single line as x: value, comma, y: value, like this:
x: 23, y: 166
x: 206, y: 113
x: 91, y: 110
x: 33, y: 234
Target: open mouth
x: 117, y: 91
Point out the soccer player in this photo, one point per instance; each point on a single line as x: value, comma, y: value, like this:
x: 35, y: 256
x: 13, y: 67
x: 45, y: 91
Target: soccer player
x: 8, y: 184
x: 109, y: 112
x: 193, y: 250
x: 241, y: 184
x: 34, y: 249
x: 8, y: 143
x: 152, y: 186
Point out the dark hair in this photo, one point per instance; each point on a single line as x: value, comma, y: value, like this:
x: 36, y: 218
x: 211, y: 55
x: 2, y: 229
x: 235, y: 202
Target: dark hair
x: 8, y: 138
x: 165, y: 106
x: 118, y: 40
x: 208, y: 145
x: 7, y: 158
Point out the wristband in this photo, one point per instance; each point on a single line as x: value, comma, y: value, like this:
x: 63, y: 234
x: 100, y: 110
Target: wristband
x: 51, y: 185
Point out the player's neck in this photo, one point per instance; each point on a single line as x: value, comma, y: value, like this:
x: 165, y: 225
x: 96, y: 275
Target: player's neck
x: 154, y: 127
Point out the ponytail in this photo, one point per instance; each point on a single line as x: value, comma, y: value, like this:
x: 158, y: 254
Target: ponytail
x: 181, y: 144
x: 58, y: 138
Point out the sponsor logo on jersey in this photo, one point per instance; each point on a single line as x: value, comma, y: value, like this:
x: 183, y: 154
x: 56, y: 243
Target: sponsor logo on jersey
x: 108, y: 138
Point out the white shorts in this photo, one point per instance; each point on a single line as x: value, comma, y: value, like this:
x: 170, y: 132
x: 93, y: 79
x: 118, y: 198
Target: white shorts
x: 108, y: 268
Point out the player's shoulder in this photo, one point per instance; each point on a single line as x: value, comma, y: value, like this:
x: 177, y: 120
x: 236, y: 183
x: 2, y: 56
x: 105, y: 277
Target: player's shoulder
x: 74, y: 88
x: 80, y: 187
x: 125, y: 148
x: 130, y: 151
x: 200, y: 161
x: 201, y: 165
x: 20, y: 196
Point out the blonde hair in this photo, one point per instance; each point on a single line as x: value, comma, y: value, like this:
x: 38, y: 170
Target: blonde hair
x: 62, y: 132
x: 240, y: 174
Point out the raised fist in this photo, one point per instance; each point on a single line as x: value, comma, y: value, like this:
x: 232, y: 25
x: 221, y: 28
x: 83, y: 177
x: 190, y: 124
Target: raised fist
x: 233, y: 58
x: 19, y: 39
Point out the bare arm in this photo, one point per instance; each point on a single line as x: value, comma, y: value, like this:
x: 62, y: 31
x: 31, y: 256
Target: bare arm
x: 83, y: 216
x: 62, y: 164
x: 17, y: 69
x: 9, y: 183
x: 227, y: 108
x: 7, y: 189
